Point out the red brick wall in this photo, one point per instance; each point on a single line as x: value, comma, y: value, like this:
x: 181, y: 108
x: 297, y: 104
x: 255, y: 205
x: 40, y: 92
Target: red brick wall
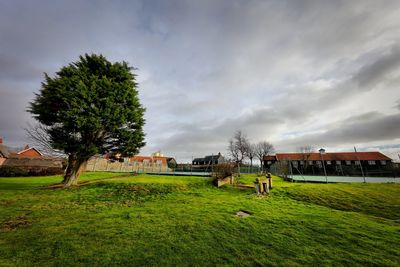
x: 31, y: 153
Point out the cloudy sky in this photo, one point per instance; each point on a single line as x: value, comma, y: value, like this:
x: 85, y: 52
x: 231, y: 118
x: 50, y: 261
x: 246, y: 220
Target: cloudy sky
x: 319, y: 73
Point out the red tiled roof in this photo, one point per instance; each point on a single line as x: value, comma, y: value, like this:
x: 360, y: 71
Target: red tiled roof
x: 140, y: 158
x: 150, y: 159
x: 269, y: 157
x: 333, y: 156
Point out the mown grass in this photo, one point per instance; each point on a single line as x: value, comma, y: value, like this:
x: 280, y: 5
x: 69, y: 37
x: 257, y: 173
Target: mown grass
x: 114, y: 219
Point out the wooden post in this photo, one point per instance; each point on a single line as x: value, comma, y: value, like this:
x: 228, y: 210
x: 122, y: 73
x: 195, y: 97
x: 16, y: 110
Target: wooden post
x: 257, y: 186
x: 269, y: 178
x: 94, y: 164
x: 266, y: 187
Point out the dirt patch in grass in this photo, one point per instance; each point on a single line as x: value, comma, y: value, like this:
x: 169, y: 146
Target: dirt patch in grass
x: 243, y: 214
x: 108, y: 194
x: 93, y: 181
x: 15, y: 223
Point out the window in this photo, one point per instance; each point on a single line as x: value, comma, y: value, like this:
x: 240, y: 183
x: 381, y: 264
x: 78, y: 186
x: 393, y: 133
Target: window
x: 294, y: 164
x: 159, y: 161
x: 319, y: 163
x: 348, y: 162
x: 302, y: 162
x: 328, y: 162
x: 371, y: 162
x: 269, y: 162
x: 383, y: 162
x: 338, y: 162
x: 357, y: 162
x: 310, y: 162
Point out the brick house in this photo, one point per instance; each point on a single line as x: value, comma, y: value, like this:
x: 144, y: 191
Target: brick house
x: 29, y: 159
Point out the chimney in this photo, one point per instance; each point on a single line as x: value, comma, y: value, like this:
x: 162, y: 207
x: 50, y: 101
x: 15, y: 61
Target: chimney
x: 26, y: 147
x: 1, y: 140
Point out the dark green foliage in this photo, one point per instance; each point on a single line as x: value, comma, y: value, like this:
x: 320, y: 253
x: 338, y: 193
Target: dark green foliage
x: 7, y: 171
x: 91, y: 106
x: 10, y: 171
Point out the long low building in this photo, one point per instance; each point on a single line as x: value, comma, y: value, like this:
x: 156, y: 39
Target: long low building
x: 334, y: 162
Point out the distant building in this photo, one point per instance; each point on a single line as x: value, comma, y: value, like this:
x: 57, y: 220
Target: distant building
x: 209, y: 160
x: 29, y: 159
x: 28, y: 152
x: 336, y: 162
x: 154, y: 160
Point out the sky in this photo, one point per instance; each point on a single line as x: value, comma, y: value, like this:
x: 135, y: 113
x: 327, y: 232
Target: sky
x: 294, y: 73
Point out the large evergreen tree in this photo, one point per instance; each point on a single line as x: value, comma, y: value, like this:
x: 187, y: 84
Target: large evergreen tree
x: 90, y: 107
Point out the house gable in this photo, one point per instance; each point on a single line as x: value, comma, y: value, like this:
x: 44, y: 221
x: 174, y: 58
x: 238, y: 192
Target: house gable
x: 30, y: 152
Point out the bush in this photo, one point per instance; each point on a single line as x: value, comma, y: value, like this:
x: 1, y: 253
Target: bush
x: 222, y: 171
x: 9, y: 171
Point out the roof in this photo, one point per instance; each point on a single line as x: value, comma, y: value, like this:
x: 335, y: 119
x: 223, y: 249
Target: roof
x: 28, y: 149
x: 25, y: 153
x: 150, y: 159
x: 209, y: 157
x: 212, y: 157
x: 32, y: 162
x: 4, y: 151
x: 140, y: 158
x: 269, y: 157
x: 333, y: 156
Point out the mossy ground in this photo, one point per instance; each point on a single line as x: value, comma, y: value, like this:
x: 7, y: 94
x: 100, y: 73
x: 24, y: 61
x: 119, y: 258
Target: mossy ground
x: 115, y: 219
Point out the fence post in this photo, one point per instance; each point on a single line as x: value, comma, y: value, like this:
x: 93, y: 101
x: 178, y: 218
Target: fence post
x: 94, y: 164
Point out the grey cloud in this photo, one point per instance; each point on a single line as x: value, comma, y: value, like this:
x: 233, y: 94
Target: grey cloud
x: 196, y: 141
x: 13, y: 117
x: 369, y: 127
x: 207, y: 68
x: 373, y: 73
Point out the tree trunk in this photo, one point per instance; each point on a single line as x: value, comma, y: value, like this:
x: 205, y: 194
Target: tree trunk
x: 75, y: 166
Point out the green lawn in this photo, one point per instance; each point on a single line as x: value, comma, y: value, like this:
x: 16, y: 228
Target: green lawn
x: 117, y: 219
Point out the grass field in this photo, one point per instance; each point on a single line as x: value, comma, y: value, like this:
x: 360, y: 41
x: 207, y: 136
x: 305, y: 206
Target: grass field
x: 117, y: 219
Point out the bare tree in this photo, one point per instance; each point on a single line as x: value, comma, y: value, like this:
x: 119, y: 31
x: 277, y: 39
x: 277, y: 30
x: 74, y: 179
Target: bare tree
x: 251, y: 153
x: 263, y: 149
x: 237, y: 148
x: 39, y: 137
